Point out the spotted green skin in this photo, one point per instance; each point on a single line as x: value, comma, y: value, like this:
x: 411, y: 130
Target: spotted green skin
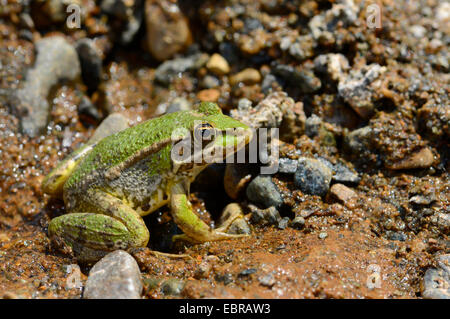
x: 108, y: 186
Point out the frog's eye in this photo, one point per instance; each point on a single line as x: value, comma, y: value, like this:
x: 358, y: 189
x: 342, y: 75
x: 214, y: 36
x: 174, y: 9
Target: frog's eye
x: 204, y: 132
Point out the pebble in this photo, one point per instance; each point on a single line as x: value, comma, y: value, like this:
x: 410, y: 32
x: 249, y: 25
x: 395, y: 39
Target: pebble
x: 208, y: 95
x: 167, y: 29
x: 263, y: 191
x: 343, y: 174
x: 172, y: 287
x: 264, y: 217
x: 436, y: 283
x: 267, y: 113
x: 112, y: 124
x: 115, y: 276
x: 179, y: 104
x: 218, y: 65
x: 421, y: 159
x: 355, y: 88
x: 247, y: 76
x: 267, y: 280
x: 91, y: 63
x: 203, y: 270
x: 56, y: 60
x: 287, y: 165
x: 304, y: 80
x: 312, y: 176
x: 239, y: 225
x: 323, y: 235
x: 209, y: 82
x: 283, y: 223
x: 334, y: 65
x: 298, y: 222
x: 342, y: 193
x: 172, y: 68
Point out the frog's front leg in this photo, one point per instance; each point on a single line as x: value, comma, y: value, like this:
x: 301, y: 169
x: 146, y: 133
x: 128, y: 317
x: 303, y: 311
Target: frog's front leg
x: 110, y: 225
x: 195, y: 230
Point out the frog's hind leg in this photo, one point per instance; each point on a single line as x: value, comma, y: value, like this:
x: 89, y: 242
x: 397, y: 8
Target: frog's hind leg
x: 90, y: 236
x: 195, y: 230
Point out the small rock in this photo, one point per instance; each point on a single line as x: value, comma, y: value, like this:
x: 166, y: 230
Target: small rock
x: 343, y: 174
x: 91, y: 63
x: 264, y: 217
x: 263, y: 191
x: 298, y: 222
x: 247, y: 76
x: 356, y: 89
x: 313, y: 125
x: 56, y: 60
x: 333, y: 65
x: 172, y: 68
x: 179, y: 104
x: 203, y: 270
x: 172, y: 287
x: 247, y: 272
x: 302, y: 48
x: 115, y: 276
x: 114, y: 123
x: 287, y: 165
x: 303, y: 79
x: 167, y: 29
x: 312, y: 176
x: 342, y: 193
x: 283, y: 223
x: 209, y: 95
x: 418, y: 31
x: 421, y: 159
x: 436, y: 283
x: 209, y: 82
x: 233, y: 211
x: 224, y: 278
x: 267, y: 280
x: 218, y: 65
x: 323, y: 235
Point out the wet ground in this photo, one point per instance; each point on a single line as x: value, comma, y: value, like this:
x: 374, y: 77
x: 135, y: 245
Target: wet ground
x: 381, y: 109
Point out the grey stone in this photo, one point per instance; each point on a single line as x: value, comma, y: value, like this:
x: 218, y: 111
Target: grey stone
x: 91, y: 63
x: 263, y: 191
x: 436, y: 283
x: 298, y: 222
x: 313, y: 125
x: 356, y: 89
x: 56, y: 60
x: 264, y: 217
x: 172, y: 287
x: 171, y: 68
x: 287, y: 165
x: 114, y: 123
x: 312, y: 176
x: 267, y: 280
x: 343, y: 174
x: 283, y: 223
x: 179, y: 104
x: 302, y: 79
x: 115, y: 276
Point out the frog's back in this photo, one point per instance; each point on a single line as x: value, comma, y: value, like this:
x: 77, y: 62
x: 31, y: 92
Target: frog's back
x: 125, y: 147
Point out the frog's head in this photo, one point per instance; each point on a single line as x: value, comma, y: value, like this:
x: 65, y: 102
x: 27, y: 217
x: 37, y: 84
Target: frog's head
x: 215, y: 136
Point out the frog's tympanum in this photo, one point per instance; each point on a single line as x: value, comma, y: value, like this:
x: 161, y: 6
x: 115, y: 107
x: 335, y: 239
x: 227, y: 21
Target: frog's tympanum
x: 108, y: 186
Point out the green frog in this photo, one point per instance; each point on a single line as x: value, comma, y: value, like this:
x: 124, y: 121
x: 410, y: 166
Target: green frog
x: 109, y: 185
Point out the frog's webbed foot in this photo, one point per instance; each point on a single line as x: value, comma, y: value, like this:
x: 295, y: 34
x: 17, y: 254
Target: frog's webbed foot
x: 195, y: 230
x: 90, y: 236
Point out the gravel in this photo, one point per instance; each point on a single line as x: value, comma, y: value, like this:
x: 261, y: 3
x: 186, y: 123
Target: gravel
x: 312, y: 176
x: 115, y: 276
